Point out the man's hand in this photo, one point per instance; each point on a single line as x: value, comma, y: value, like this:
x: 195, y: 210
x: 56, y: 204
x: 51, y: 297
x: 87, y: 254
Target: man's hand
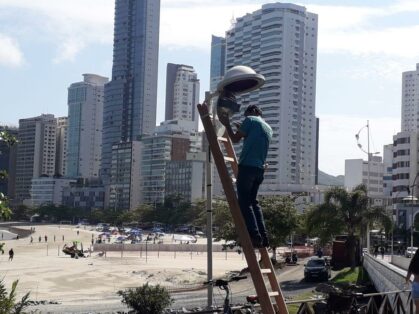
x: 224, y: 119
x: 237, y: 124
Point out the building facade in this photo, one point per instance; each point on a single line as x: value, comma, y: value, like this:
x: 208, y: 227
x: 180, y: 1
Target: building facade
x: 185, y: 178
x: 358, y: 172
x: 172, y: 142
x: 410, y: 100
x: 85, y: 118
x: 61, y: 146
x: 8, y: 164
x: 279, y: 41
x: 405, y: 164
x: 48, y: 190
x: 86, y: 194
x: 131, y: 95
x: 218, y: 61
x: 182, y: 93
x: 35, y: 152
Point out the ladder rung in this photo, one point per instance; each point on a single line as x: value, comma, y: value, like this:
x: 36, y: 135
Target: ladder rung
x: 222, y: 139
x: 273, y: 293
x: 265, y: 270
x: 230, y: 159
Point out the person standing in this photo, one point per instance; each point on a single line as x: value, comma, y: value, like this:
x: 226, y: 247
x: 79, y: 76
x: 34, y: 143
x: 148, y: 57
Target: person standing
x: 257, y: 135
x: 414, y: 270
x: 11, y: 254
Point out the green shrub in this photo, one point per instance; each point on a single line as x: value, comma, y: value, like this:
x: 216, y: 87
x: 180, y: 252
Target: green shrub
x: 8, y: 302
x: 146, y: 299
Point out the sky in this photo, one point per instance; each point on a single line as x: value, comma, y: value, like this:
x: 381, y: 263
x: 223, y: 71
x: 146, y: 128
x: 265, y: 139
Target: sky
x: 363, y: 48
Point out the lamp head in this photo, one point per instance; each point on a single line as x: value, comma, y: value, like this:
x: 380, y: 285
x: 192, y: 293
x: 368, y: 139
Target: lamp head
x: 237, y: 80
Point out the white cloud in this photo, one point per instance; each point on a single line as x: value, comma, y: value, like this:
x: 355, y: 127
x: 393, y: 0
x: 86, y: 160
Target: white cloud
x: 68, y: 50
x: 337, y: 139
x: 72, y: 25
x: 10, y: 54
x: 192, y: 27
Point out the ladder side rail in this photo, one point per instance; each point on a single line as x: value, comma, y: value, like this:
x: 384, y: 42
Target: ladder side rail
x: 266, y: 261
x: 231, y: 153
x: 255, y: 271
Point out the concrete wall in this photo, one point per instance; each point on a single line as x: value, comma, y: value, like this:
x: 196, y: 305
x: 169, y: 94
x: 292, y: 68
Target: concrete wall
x: 385, y: 277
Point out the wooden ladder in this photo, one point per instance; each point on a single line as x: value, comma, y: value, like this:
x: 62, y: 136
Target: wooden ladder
x: 257, y: 273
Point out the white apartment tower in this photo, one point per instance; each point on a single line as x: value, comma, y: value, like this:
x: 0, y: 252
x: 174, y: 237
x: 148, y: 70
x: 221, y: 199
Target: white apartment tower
x: 85, y: 120
x: 182, y: 93
x: 35, y: 152
x: 279, y: 41
x: 410, y: 100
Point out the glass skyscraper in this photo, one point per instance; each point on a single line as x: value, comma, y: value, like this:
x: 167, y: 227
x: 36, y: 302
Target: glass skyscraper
x: 131, y: 95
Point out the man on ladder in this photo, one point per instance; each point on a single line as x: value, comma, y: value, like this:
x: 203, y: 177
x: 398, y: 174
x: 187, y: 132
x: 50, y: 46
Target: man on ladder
x: 257, y: 135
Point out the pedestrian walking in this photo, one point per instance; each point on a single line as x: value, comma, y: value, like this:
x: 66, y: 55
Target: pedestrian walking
x: 11, y: 254
x: 382, y: 250
x: 78, y: 232
x: 40, y: 239
x: 31, y: 239
x: 257, y: 135
x: 46, y: 238
x: 414, y: 270
x: 54, y: 237
x: 63, y: 238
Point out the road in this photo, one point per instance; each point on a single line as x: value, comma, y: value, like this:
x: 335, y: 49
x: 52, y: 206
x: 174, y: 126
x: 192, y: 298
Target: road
x: 290, y: 278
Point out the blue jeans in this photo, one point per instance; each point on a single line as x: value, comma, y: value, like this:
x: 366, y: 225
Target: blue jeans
x: 415, y: 290
x: 248, y: 182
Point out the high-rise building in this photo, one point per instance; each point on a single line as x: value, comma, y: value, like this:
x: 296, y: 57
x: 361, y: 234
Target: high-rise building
x: 182, y: 93
x: 131, y: 96
x: 35, y: 152
x: 217, y: 70
x: 61, y: 153
x: 279, y: 41
x: 85, y: 118
x: 218, y: 48
x: 405, y: 164
x: 410, y: 100
x: 161, y: 152
x: 8, y: 164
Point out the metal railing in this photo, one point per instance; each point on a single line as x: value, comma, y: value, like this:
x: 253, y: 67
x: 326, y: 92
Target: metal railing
x: 371, y: 303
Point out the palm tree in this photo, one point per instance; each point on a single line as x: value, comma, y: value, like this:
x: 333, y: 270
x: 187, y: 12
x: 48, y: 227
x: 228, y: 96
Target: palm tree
x: 345, y: 212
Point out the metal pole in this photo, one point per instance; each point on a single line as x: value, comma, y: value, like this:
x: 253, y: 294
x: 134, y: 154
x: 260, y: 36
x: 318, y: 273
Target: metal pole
x: 209, y: 169
x: 368, y: 184
x: 411, y: 217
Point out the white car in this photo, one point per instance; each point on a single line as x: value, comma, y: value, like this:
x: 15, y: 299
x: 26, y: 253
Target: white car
x: 410, y: 251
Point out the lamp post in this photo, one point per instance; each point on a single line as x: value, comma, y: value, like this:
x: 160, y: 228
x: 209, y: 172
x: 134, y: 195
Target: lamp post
x: 369, y: 154
x: 237, y: 80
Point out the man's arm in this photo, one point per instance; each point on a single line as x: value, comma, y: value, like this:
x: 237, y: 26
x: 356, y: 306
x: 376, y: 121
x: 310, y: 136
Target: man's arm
x: 235, y: 136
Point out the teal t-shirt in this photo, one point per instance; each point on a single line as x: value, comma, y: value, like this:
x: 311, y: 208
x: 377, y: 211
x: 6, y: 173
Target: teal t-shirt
x: 258, y: 135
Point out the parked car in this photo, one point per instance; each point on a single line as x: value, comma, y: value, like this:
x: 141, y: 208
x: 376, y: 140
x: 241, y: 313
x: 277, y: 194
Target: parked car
x: 317, y: 268
x: 410, y: 250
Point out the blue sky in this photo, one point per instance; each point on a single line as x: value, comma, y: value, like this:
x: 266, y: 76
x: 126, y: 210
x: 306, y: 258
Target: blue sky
x: 364, y: 46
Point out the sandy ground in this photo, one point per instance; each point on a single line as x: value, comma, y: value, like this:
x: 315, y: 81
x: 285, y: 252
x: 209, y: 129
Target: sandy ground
x: 48, y: 274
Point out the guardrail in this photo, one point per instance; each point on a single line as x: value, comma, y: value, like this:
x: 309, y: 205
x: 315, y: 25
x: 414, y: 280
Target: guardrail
x: 397, y: 302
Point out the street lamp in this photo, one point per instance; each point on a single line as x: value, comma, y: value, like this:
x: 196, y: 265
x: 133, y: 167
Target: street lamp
x: 237, y: 80
x: 369, y: 154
